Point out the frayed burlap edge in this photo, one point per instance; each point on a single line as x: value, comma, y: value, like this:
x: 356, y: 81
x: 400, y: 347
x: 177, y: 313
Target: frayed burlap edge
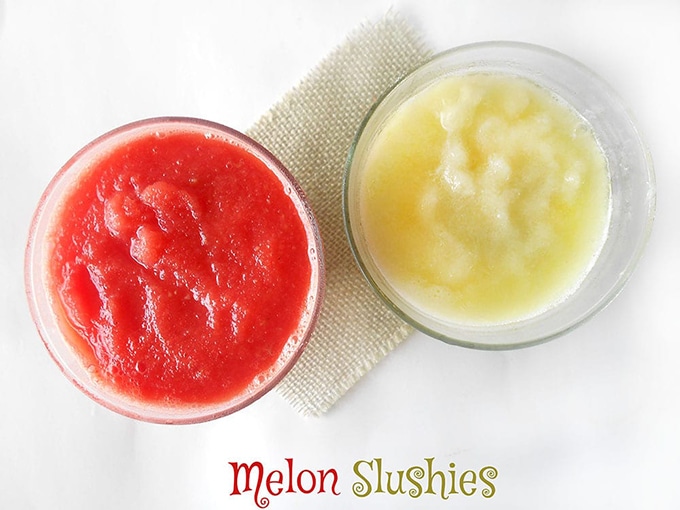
x: 311, y: 130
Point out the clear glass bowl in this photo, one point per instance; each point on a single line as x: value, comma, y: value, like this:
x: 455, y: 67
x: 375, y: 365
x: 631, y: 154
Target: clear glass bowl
x: 631, y: 179
x: 49, y: 323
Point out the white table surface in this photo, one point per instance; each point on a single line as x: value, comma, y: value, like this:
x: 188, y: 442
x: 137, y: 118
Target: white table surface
x: 587, y: 421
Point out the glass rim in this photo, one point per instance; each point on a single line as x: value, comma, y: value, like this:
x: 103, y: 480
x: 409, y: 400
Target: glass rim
x: 46, y: 320
x: 465, y: 56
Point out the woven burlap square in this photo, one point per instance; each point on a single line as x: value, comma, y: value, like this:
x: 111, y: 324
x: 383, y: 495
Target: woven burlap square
x: 310, y: 130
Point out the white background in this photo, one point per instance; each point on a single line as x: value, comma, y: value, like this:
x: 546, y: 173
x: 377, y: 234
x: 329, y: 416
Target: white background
x: 587, y: 421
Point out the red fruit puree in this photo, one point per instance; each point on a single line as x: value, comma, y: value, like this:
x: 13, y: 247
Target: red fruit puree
x: 182, y: 267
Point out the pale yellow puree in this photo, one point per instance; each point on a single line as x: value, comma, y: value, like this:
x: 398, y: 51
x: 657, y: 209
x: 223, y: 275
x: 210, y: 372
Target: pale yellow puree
x: 485, y: 199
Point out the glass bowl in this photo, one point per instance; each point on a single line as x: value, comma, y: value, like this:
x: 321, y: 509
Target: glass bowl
x: 632, y: 190
x: 52, y: 325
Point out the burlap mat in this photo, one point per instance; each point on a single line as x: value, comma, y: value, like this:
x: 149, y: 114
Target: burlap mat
x: 310, y: 130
